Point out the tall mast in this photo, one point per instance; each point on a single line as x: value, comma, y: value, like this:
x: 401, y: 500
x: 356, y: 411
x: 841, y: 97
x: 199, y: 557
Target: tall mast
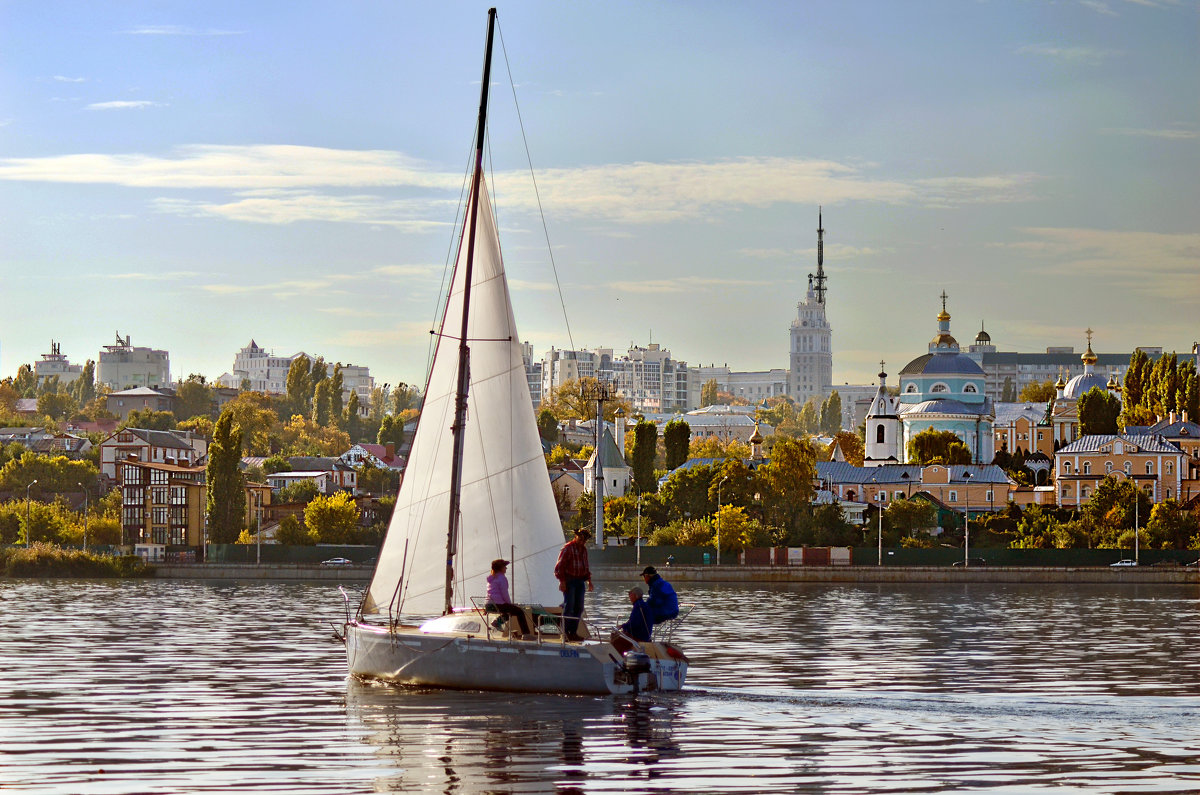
x: 464, y: 351
x: 820, y: 280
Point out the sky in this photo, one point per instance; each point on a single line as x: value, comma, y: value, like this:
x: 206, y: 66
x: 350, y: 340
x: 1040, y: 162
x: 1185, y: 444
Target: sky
x: 195, y: 175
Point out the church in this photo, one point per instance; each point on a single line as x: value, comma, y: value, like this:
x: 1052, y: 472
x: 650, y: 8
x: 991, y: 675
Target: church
x: 941, y: 390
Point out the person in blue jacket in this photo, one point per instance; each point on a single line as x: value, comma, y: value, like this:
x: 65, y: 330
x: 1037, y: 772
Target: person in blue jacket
x: 663, y: 603
x: 639, y: 626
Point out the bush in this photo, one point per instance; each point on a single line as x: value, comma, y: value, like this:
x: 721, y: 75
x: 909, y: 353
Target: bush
x: 48, y: 560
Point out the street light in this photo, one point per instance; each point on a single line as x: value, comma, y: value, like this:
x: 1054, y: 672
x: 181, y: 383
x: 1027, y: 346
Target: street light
x: 85, y: 514
x: 720, y: 483
x: 639, y: 531
x: 28, y: 529
x: 258, y: 535
x: 967, y: 521
x: 880, y: 562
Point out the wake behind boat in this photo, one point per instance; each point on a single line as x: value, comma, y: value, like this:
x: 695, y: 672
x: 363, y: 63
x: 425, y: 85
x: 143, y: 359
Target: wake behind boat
x: 475, y: 489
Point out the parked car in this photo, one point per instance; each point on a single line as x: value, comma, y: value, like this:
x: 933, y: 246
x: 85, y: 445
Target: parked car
x: 1126, y: 562
x: 337, y: 562
x: 970, y: 562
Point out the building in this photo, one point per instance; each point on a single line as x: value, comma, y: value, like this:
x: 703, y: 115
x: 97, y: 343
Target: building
x: 1022, y: 426
x: 176, y: 448
x: 810, y: 366
x: 55, y: 363
x: 882, y: 426
x: 647, y: 377
x: 1153, y: 464
x: 754, y: 387
x: 943, y: 390
x: 617, y: 474
x: 162, y: 505
x: 122, y: 366
x: 259, y: 371
x: 727, y: 423
x: 978, y: 488
x: 357, y: 379
x: 1064, y: 416
x: 140, y: 398
x: 342, y: 476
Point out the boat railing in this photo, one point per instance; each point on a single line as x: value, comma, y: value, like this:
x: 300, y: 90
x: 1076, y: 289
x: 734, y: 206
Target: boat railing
x: 665, y: 632
x: 536, y: 614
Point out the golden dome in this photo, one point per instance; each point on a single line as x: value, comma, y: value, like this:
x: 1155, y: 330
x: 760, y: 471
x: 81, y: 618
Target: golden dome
x: 756, y: 437
x: 1060, y: 384
x: 1088, y: 357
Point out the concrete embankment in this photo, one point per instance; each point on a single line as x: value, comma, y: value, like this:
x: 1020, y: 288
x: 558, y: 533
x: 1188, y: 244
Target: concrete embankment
x: 743, y: 574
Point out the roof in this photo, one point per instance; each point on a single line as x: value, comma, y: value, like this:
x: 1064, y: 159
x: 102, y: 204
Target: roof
x: 1172, y: 430
x: 1146, y: 443
x: 298, y: 475
x: 611, y: 457
x: 140, y: 391
x: 900, y: 474
x: 311, y: 463
x: 1010, y: 412
x: 156, y: 438
x: 945, y: 406
x: 942, y: 364
x: 1081, y: 384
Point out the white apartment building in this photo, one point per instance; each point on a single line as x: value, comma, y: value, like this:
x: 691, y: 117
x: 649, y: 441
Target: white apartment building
x: 267, y: 372
x: 753, y: 386
x: 122, y: 366
x: 647, y: 377
x: 55, y: 363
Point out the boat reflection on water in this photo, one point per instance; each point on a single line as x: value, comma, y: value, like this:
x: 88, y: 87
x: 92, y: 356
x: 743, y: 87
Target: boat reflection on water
x: 440, y: 740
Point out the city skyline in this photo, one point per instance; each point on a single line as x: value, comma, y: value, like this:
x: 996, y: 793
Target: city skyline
x: 197, y: 177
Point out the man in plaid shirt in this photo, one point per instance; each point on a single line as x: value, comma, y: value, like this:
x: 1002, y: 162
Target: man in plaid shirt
x: 573, y: 577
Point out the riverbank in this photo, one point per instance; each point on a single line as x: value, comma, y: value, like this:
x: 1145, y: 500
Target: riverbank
x: 1178, y: 575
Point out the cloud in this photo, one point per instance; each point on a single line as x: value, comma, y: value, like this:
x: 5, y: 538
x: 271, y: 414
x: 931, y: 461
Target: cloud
x: 349, y: 311
x: 399, y: 334
x: 136, y: 104
x: 833, y: 252
x: 685, y: 284
x: 1098, y: 6
x: 280, y: 289
x: 407, y: 271
x: 1174, y: 133
x: 179, y: 30
x: 62, y: 79
x: 153, y: 277
x: 277, y: 182
x: 1088, y: 55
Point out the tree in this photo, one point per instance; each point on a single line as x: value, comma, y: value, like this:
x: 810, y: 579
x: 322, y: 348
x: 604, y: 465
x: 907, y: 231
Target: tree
x: 910, y: 517
x: 391, y: 431
x: 547, y: 425
x: 809, y: 418
x: 336, y: 388
x: 405, y: 397
x: 708, y: 392
x: 292, y: 532
x: 53, y: 474
x: 300, y: 384
x: 831, y: 414
x: 852, y: 446
x: 1132, y: 389
x: 1098, y: 411
x: 25, y: 382
x: 194, y: 398
x: 149, y: 420
x: 333, y: 518
x: 83, y: 388
x: 1170, y: 526
x: 931, y: 446
x: 1037, y: 392
x: 677, y: 438
x: 351, y: 422
x: 302, y: 436
x: 226, y: 489
x: 301, y: 491
x: 201, y: 426
x: 645, y: 448
x: 1136, y: 416
x: 716, y: 447
x: 786, y: 482
x: 1008, y: 394
x: 685, y: 492
x: 56, y: 405
x: 322, y: 404
x: 569, y: 401
x: 255, y: 417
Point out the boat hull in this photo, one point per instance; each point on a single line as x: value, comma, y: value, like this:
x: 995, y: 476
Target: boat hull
x: 410, y: 657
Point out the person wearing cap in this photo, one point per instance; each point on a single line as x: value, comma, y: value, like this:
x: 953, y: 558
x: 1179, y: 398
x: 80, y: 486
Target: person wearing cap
x: 663, y: 603
x: 574, y: 576
x: 498, y: 600
x: 639, y: 626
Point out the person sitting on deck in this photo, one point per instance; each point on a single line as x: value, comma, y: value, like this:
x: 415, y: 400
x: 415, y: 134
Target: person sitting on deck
x: 639, y: 626
x: 663, y: 603
x: 498, y: 600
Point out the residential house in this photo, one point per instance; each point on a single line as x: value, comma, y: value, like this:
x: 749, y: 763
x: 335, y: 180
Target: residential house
x: 178, y: 448
x: 140, y: 398
x: 25, y: 436
x: 281, y: 480
x: 67, y: 444
x: 1152, y: 463
x: 383, y: 456
x: 342, y: 476
x: 162, y: 505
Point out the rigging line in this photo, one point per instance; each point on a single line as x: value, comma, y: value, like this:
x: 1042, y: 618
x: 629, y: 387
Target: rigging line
x: 545, y: 229
x: 455, y: 237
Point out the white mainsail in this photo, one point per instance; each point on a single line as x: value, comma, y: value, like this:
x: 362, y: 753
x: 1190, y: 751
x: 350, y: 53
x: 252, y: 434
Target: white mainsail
x: 508, y: 508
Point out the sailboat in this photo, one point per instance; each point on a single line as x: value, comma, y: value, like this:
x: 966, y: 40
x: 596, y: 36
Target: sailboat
x: 476, y: 488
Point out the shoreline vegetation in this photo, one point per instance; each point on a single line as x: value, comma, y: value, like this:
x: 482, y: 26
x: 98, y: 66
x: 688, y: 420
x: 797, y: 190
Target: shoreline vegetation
x: 50, y: 560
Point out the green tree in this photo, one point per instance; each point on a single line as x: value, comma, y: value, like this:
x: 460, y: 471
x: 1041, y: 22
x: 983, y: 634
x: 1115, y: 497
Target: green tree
x: 932, y: 446
x: 1098, y: 411
x: 149, y: 420
x: 302, y: 491
x: 645, y: 448
x: 1008, y: 393
x: 300, y: 384
x: 786, y: 482
x: 57, y: 406
x: 1037, y: 392
x: 1132, y: 388
x: 336, y: 388
x: 907, y: 518
x: 686, y: 491
x: 391, y: 431
x: 292, y: 532
x: 83, y: 388
x: 831, y: 414
x: 677, y: 438
x: 194, y: 398
x: 333, y: 518
x: 809, y: 418
x: 57, y: 474
x: 322, y: 405
x: 25, y: 382
x: 547, y: 425
x: 351, y: 421
x: 1170, y: 526
x: 226, y: 489
x: 404, y: 397
x: 257, y: 421
x: 708, y: 392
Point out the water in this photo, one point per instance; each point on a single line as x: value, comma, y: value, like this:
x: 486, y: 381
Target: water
x: 179, y: 686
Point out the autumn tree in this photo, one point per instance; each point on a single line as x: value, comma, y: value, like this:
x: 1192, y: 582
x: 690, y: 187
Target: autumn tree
x: 333, y: 518
x: 932, y: 446
x: 786, y: 482
x: 302, y: 436
x: 685, y: 492
x: 1036, y: 392
x: 226, y: 489
x: 194, y: 398
x: 809, y: 419
x: 254, y: 415
x: 570, y: 400
x: 708, y: 392
x: 852, y: 446
x: 299, y: 384
x: 677, y: 437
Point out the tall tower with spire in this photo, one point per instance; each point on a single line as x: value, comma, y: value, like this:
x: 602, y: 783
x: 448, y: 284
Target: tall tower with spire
x: 810, y: 366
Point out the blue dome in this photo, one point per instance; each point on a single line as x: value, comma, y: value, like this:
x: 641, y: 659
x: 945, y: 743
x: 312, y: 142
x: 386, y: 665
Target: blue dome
x: 942, y: 364
x: 943, y: 407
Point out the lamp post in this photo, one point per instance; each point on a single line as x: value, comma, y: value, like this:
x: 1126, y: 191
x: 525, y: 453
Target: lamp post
x: 1137, y: 494
x: 258, y: 534
x: 720, y: 483
x: 639, y: 531
x: 967, y: 521
x: 85, y: 514
x: 28, y: 529
x: 880, y: 562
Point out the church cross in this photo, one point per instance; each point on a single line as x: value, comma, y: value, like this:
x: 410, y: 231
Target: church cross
x: 1089, y: 336
x: 944, y: 297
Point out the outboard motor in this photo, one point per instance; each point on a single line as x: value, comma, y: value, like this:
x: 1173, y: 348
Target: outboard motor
x: 636, y: 664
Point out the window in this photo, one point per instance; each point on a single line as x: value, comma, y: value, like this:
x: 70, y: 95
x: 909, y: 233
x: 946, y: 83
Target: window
x: 1087, y: 467
x: 1168, y: 469
x: 1149, y: 467
x: 988, y: 495
x: 879, y: 435
x: 970, y: 389
x: 911, y: 389
x: 1083, y: 492
x: 1066, y: 492
x: 883, y: 496
x: 1040, y: 436
x: 898, y: 495
x: 1168, y: 492
x: 939, y: 387
x: 953, y: 497
x: 1066, y: 467
x: 1107, y: 467
x: 1128, y: 467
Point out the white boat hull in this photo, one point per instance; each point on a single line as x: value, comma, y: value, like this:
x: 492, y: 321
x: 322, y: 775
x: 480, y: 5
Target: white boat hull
x: 408, y: 656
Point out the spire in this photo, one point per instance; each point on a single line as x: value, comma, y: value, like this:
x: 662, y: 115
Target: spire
x: 943, y: 341
x: 1088, y: 357
x: 820, y: 278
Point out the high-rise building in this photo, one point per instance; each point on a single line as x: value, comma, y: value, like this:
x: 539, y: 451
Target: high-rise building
x: 55, y: 363
x: 647, y: 377
x: 810, y: 370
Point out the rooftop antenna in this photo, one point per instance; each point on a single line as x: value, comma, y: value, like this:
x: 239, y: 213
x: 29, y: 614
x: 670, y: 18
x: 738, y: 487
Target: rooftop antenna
x: 820, y: 278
